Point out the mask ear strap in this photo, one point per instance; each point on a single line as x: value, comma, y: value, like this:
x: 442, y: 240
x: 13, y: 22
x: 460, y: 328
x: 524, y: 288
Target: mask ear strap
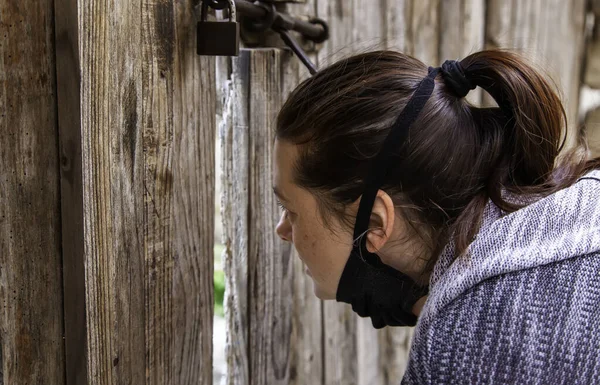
x: 381, y: 164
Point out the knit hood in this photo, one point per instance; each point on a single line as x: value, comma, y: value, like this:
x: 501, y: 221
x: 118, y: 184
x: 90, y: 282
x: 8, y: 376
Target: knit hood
x: 561, y: 226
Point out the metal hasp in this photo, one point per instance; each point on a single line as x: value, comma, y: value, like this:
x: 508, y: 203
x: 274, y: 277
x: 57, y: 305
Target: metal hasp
x: 258, y: 16
x: 218, y: 38
x: 262, y: 12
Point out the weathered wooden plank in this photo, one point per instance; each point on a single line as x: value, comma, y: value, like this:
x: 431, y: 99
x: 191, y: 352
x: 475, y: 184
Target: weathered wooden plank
x: 422, y: 36
x: 269, y: 260
x: 462, y: 28
x: 111, y: 151
x: 31, y: 324
x: 549, y: 32
x: 394, y: 347
x: 339, y: 15
x: 592, y: 131
x: 368, y: 33
x: 369, y: 353
x: 395, y: 25
x: 193, y: 206
x: 69, y: 123
x: 341, y: 357
x: 258, y: 265
x: 307, y: 331
x: 148, y: 171
x: 234, y: 211
x: 113, y: 193
x: 592, y: 69
x: 592, y: 57
x: 412, y: 27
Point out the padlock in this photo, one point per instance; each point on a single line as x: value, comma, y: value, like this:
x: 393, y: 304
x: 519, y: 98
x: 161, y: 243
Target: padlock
x: 218, y: 38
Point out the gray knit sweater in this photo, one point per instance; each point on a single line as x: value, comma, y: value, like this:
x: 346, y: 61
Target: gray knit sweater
x: 525, y: 307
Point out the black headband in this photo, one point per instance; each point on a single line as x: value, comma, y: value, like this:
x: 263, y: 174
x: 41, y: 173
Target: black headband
x: 380, y: 166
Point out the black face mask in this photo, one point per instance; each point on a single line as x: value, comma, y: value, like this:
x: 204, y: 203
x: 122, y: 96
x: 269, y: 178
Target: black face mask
x: 379, y: 292
x: 373, y: 288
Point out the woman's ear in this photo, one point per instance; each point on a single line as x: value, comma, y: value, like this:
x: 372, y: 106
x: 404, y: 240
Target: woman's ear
x: 381, y: 222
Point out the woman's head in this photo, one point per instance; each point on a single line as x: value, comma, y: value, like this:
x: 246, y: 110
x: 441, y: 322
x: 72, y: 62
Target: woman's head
x: 455, y: 158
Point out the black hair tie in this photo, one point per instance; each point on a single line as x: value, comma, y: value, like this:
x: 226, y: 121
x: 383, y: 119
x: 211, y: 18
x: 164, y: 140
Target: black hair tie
x: 455, y: 78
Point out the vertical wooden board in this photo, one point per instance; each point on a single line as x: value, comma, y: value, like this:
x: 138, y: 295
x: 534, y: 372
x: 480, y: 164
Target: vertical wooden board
x: 269, y: 261
x: 148, y: 170
x: 161, y: 177
x: 412, y: 27
x: 339, y: 16
x: 369, y: 355
x: 396, y: 29
x: 114, y: 196
x: 422, y: 37
x: 368, y: 33
x: 341, y: 356
x: 69, y: 123
x: 382, y: 353
x: 192, y: 213
x: 592, y: 127
x: 394, y: 348
x: 592, y: 57
x: 31, y: 324
x: 549, y: 32
x: 235, y: 213
x: 462, y: 28
x: 307, y: 330
x: 592, y: 79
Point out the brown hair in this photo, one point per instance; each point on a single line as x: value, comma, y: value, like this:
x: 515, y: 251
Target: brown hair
x: 457, y: 157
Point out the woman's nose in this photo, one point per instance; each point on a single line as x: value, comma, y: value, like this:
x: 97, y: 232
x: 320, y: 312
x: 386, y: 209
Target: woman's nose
x: 284, y: 228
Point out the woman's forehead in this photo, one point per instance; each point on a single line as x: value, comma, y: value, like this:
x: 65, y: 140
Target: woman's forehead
x: 284, y: 158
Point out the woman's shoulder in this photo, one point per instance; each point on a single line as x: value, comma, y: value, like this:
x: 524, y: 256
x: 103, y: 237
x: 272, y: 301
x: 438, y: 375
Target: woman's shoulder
x: 539, y: 324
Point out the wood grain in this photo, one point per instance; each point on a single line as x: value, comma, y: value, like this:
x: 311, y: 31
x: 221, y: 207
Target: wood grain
x: 395, y: 24
x: 31, y: 325
x: 551, y: 33
x: 592, y: 57
x: 234, y: 137
x: 148, y: 130
x: 269, y: 260
x: 113, y: 194
x: 193, y: 206
x: 259, y: 267
x: 69, y: 122
x: 592, y: 130
x: 422, y: 36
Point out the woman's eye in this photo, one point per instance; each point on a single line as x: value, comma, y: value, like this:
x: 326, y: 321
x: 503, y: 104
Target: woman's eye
x: 281, y: 206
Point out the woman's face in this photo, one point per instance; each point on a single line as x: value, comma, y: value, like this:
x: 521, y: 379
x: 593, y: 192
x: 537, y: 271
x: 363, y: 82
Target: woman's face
x: 324, y: 250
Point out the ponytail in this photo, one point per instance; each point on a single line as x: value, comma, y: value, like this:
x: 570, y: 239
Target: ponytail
x: 528, y: 127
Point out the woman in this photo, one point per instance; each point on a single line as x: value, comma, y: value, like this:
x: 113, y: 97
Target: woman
x: 409, y: 203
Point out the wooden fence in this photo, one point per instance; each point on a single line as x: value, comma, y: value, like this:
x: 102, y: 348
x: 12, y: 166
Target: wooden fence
x: 107, y: 178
